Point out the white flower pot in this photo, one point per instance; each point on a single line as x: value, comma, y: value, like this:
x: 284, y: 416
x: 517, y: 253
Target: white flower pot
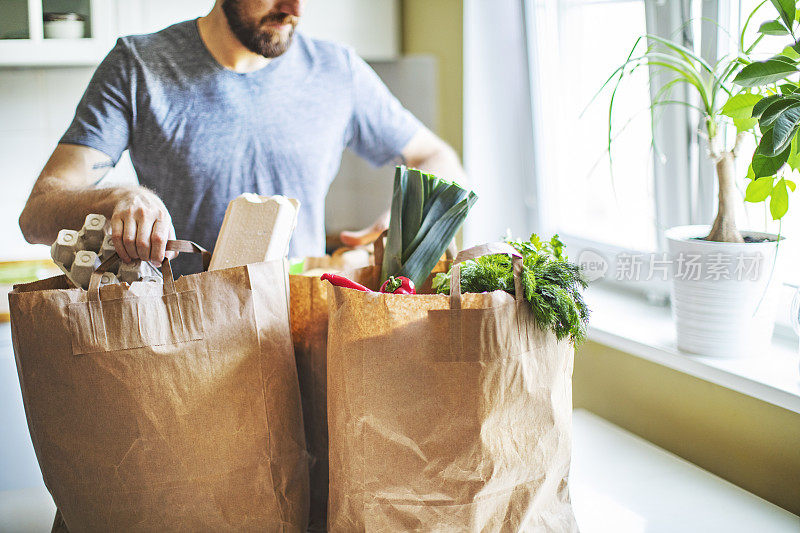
x: 726, y: 306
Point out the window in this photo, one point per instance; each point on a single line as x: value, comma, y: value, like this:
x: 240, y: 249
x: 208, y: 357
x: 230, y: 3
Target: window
x: 572, y: 56
x: 661, y: 175
x: 574, y: 45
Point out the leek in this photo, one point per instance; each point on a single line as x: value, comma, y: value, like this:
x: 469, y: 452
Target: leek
x: 426, y: 214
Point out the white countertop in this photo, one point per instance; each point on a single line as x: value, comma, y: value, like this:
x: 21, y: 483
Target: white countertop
x: 623, y: 484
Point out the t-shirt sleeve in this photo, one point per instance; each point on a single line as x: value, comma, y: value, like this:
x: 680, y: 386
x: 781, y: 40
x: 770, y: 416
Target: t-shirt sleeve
x: 104, y: 115
x: 380, y: 126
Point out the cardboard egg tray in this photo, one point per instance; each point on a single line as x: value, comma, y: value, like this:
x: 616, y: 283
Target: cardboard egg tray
x: 79, y: 253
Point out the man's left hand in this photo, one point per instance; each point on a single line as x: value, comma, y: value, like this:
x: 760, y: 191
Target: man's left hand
x: 366, y: 235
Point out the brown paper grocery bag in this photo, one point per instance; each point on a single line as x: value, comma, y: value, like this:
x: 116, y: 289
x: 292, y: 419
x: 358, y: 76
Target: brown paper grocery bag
x: 446, y: 413
x: 169, y: 407
x: 309, y: 319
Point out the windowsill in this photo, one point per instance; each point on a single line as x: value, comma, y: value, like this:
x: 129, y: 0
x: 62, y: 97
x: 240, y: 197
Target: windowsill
x: 626, y: 322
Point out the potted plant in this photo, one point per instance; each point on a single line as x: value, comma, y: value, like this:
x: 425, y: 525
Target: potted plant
x: 724, y: 282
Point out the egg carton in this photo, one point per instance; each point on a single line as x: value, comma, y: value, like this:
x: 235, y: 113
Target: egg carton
x: 79, y: 253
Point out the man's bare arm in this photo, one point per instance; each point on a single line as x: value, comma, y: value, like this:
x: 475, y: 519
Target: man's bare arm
x: 65, y: 193
x: 427, y: 152
x: 424, y: 151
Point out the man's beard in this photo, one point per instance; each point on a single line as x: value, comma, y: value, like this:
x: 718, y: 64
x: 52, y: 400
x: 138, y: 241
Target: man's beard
x: 265, y: 42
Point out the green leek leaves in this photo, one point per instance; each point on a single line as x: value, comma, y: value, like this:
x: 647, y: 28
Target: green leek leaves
x: 426, y: 214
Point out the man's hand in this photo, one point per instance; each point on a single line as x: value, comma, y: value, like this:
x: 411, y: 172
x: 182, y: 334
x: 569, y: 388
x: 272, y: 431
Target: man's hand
x: 141, y: 227
x: 66, y: 192
x: 366, y: 235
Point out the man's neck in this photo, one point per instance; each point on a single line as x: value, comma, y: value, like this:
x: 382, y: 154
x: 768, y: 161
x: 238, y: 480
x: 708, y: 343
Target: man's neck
x: 223, y: 45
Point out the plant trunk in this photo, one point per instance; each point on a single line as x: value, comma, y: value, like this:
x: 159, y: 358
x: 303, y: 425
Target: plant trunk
x: 724, y: 228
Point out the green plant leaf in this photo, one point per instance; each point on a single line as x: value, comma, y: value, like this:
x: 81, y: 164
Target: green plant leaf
x: 772, y: 27
x: 764, y: 72
x: 682, y: 51
x: 686, y: 72
x: 773, y: 111
x: 758, y: 190
x: 786, y: 59
x: 791, y: 53
x: 785, y: 128
x: 785, y: 10
x: 794, y: 157
x: 744, y: 124
x: 764, y: 147
x: 792, y: 185
x: 763, y: 104
x: 788, y: 88
x: 764, y: 163
x: 740, y: 105
x: 779, y: 200
x: 740, y: 108
x: 796, y: 47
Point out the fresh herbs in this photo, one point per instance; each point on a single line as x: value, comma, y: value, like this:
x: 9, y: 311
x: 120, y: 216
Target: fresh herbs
x: 426, y: 214
x: 551, y: 284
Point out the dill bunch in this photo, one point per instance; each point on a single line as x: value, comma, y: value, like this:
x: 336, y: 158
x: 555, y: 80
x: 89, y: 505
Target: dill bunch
x: 552, y: 285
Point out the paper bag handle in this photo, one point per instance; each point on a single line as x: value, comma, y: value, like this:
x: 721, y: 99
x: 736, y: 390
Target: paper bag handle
x: 492, y: 248
x: 379, y: 248
x: 166, y: 269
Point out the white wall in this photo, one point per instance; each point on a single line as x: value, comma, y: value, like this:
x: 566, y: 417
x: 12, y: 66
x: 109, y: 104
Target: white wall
x: 36, y: 106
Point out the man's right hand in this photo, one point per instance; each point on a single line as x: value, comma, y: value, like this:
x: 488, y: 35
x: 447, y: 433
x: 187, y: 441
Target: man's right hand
x: 66, y: 192
x: 141, y: 227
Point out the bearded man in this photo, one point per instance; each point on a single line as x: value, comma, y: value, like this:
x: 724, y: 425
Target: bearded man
x: 236, y: 101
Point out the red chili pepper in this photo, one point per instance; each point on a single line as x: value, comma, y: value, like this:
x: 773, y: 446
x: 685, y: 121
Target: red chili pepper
x: 341, y: 281
x: 398, y: 285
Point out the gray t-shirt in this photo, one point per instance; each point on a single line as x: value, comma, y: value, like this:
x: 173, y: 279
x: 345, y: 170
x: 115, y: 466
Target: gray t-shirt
x: 200, y: 135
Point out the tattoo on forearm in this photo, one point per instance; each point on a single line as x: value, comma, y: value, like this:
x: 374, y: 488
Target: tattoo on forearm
x: 104, y: 166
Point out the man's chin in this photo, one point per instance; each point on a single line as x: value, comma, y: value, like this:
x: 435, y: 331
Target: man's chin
x: 279, y: 41
x: 282, y: 35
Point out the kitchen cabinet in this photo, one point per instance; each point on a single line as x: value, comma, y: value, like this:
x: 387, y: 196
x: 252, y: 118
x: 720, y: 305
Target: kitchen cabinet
x: 371, y: 27
x: 22, y: 33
